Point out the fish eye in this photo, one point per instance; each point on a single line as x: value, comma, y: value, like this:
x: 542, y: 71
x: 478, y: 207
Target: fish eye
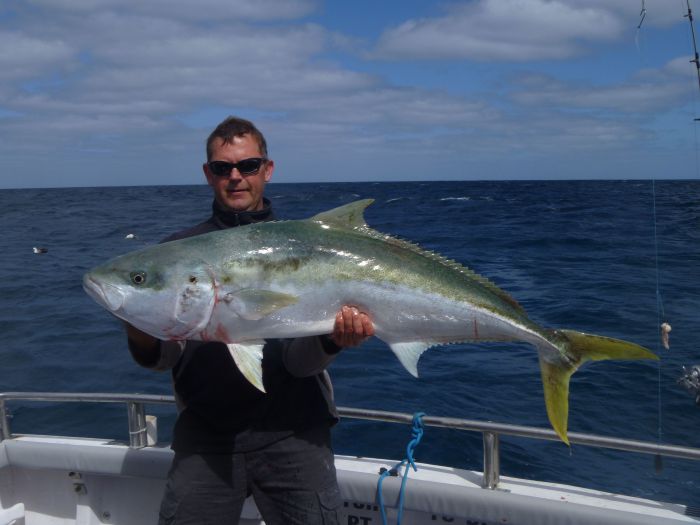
x: 138, y: 278
x: 193, y: 279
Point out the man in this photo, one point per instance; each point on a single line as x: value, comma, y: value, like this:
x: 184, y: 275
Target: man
x: 230, y: 439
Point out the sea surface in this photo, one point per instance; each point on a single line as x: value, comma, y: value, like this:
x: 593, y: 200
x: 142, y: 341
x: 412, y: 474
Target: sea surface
x: 609, y: 257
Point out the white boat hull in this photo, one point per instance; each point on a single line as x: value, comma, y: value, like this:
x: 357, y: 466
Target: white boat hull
x: 46, y: 480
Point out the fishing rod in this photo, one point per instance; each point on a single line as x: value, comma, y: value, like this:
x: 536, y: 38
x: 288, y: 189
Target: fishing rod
x: 696, y: 59
x: 690, y: 379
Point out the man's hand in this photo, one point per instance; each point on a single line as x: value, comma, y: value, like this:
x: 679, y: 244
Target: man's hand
x: 144, y: 348
x: 139, y: 338
x: 352, y: 327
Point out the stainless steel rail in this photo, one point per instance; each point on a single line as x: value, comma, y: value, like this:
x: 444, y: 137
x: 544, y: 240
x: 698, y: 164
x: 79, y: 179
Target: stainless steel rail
x: 136, y: 413
x: 490, y: 431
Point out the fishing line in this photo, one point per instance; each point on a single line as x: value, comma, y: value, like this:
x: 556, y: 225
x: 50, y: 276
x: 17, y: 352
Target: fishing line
x: 660, y: 314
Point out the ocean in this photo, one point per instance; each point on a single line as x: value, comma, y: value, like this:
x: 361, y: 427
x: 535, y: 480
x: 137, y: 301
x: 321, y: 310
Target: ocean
x: 609, y: 257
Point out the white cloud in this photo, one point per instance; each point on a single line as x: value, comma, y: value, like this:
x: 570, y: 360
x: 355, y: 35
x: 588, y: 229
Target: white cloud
x: 190, y: 10
x: 144, y: 41
x: 132, y: 65
x: 25, y: 56
x: 509, y: 30
x: 659, y: 13
x: 677, y: 69
x: 648, y: 92
x: 520, y: 30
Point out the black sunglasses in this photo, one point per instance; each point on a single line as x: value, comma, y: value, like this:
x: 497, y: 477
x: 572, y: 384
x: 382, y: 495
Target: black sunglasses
x: 221, y: 168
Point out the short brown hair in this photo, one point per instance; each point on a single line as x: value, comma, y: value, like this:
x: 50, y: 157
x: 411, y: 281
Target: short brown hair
x: 236, y: 127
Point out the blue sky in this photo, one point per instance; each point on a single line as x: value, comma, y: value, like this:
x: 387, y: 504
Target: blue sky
x: 124, y: 92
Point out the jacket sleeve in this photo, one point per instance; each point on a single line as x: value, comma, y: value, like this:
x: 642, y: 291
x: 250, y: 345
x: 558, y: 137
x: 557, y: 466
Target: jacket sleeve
x: 168, y: 354
x: 308, y: 356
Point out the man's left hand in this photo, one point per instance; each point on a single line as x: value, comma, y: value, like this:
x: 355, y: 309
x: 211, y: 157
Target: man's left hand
x: 351, y: 327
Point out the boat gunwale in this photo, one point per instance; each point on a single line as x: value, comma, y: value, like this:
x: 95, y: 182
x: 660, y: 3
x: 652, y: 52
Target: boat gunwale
x: 485, y: 427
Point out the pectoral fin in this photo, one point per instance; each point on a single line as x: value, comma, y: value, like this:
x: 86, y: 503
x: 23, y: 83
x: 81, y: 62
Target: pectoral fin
x: 409, y: 353
x: 254, y: 304
x: 248, y: 358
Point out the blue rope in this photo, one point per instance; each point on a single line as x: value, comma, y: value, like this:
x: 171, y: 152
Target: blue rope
x: 417, y: 434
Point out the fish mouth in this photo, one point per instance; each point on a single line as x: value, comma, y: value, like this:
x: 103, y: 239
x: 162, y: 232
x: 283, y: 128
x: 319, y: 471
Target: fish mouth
x: 105, y: 294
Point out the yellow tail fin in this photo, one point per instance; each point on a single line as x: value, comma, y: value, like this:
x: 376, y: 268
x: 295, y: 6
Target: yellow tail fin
x: 576, y: 348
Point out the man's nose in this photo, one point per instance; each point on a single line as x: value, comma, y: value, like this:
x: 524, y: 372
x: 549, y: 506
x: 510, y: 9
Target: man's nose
x: 235, y: 174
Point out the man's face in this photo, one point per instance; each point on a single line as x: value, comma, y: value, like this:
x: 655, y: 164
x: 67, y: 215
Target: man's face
x: 238, y: 192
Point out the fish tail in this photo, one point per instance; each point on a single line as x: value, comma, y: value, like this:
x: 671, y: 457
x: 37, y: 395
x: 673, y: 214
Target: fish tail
x: 574, y: 349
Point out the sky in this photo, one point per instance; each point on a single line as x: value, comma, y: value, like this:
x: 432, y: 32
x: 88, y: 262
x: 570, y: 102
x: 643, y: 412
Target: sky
x: 125, y: 92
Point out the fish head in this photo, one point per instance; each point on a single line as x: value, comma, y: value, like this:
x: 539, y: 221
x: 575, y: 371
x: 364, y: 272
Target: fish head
x: 156, y: 290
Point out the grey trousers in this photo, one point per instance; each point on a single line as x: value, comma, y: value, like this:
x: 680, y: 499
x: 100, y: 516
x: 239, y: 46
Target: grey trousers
x: 293, y: 481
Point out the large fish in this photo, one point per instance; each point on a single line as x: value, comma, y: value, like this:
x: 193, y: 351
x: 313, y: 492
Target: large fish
x: 288, y: 279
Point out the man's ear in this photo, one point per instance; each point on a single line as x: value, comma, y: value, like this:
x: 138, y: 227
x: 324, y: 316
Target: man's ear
x: 269, y: 168
x: 207, y: 174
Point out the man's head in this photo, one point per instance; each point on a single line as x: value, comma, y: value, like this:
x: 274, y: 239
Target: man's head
x: 237, y: 187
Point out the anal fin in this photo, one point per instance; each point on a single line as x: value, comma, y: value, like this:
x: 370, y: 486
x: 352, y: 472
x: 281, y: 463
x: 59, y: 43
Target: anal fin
x: 409, y: 353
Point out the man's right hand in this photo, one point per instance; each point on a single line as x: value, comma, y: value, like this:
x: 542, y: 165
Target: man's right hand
x: 144, y: 348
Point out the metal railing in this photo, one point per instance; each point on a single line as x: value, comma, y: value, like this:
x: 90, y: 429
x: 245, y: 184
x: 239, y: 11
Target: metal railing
x: 490, y: 431
x: 136, y: 413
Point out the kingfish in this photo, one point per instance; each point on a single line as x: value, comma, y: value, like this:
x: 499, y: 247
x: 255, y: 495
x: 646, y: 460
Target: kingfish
x: 289, y: 278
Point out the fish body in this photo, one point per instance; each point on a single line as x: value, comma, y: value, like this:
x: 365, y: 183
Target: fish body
x: 288, y: 279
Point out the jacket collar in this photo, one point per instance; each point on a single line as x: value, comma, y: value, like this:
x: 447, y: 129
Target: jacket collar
x: 226, y: 219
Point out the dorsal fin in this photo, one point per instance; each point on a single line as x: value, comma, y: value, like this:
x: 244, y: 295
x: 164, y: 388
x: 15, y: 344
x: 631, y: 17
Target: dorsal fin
x: 348, y: 216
